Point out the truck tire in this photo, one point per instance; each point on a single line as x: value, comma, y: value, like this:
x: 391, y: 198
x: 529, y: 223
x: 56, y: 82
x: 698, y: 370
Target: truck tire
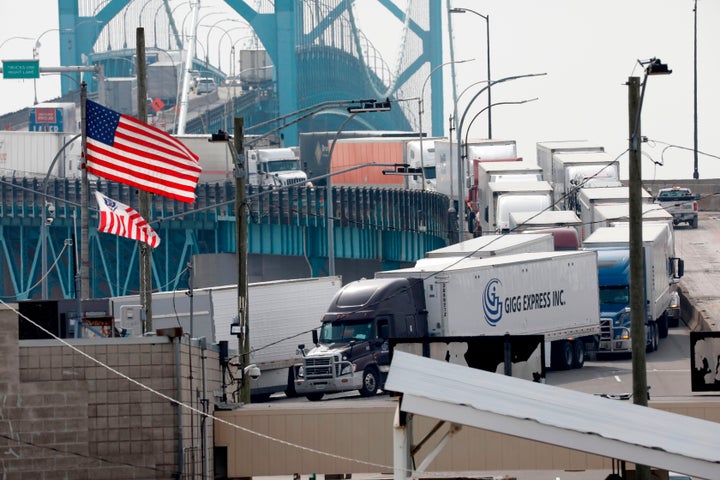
x: 578, y: 354
x: 663, y: 326
x: 694, y: 222
x: 370, y: 383
x: 290, y: 389
x: 562, y: 355
x: 654, y: 338
x: 314, y: 397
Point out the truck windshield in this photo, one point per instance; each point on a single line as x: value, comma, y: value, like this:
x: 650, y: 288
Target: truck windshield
x: 339, y: 332
x: 282, y: 165
x: 615, y: 295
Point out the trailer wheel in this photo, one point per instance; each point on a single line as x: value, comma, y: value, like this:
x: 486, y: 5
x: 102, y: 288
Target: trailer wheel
x: 663, y: 325
x: 578, y: 354
x: 654, y: 338
x: 314, y: 397
x: 562, y: 355
x: 370, y: 382
x: 290, y: 389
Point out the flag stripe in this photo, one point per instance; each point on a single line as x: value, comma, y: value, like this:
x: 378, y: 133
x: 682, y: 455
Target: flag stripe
x: 105, y: 165
x: 126, y: 150
x: 119, y: 219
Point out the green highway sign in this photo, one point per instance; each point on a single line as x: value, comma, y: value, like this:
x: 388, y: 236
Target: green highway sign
x: 21, y: 69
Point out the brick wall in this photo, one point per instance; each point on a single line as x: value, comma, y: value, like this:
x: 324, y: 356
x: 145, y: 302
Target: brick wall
x: 62, y: 415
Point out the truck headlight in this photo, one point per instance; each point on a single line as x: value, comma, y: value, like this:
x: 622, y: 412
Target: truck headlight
x: 301, y: 372
x: 348, y: 369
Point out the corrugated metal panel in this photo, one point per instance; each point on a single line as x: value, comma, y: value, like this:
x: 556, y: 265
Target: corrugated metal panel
x: 556, y: 415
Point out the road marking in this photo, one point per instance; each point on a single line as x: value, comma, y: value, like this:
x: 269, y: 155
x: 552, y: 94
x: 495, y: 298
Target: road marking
x: 617, y: 379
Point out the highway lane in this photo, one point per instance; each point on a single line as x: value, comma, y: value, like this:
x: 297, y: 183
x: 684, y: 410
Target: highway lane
x: 700, y: 248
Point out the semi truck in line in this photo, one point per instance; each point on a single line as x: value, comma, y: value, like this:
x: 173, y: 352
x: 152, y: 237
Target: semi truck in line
x: 588, y: 198
x: 575, y: 170
x: 554, y: 294
x: 546, y: 152
x: 274, y: 167
x: 413, y: 160
x: 661, y: 272
x: 271, y: 166
x: 356, y: 152
x: 446, y: 161
x: 280, y: 312
x: 504, y: 198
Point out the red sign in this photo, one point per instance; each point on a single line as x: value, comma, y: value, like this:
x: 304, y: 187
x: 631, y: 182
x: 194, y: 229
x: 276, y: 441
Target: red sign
x: 45, y: 115
x: 157, y: 105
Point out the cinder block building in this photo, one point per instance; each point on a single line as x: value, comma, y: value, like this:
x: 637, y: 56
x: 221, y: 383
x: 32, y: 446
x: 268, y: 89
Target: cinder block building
x: 106, y: 408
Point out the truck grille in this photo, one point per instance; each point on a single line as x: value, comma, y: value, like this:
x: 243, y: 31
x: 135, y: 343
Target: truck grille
x: 606, y: 330
x: 318, y: 367
x: 294, y: 181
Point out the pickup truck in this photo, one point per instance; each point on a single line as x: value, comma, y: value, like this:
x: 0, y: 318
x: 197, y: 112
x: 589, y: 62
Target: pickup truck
x: 681, y: 203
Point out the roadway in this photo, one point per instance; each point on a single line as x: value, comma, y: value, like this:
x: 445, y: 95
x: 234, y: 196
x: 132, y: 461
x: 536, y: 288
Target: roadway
x: 668, y: 369
x: 701, y: 251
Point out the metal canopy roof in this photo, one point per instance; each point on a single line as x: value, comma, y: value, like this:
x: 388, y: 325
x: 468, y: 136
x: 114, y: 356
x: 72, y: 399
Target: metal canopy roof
x: 555, y: 415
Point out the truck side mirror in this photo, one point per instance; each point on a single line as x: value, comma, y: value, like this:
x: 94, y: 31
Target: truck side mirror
x: 677, y: 266
x: 315, y: 337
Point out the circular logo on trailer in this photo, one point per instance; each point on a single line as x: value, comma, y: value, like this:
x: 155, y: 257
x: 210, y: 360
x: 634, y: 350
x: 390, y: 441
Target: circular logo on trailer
x: 492, y: 305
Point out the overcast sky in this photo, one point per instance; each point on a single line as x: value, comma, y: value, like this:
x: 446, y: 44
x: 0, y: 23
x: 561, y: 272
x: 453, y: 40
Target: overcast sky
x: 587, y: 48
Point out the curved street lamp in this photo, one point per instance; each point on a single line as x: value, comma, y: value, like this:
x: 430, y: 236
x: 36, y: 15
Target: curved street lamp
x: 421, y: 111
x: 467, y: 130
x: 487, y: 41
x: 36, y: 53
x: 458, y: 131
x: 14, y: 38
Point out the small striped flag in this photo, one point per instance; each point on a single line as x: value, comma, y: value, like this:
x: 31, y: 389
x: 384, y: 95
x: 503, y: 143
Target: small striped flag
x: 119, y: 219
x: 124, y: 149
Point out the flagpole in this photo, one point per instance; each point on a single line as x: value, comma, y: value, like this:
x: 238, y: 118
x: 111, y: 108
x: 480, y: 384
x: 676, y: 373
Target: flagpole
x: 84, y: 290
x: 144, y: 196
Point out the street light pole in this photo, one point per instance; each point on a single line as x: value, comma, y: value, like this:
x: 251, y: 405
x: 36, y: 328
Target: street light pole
x: 47, y: 221
x: 487, y: 42
x: 458, y: 133
x: 696, y: 174
x: 421, y: 110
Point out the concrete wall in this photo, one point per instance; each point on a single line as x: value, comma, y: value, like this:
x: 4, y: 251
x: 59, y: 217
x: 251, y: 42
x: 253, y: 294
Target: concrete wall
x: 65, y: 416
x: 325, y: 440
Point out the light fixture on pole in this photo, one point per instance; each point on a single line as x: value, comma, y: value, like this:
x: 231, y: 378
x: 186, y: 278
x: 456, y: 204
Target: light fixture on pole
x: 47, y: 219
x: 421, y: 110
x: 637, y: 303
x: 458, y: 132
x: 487, y: 42
x: 364, y: 107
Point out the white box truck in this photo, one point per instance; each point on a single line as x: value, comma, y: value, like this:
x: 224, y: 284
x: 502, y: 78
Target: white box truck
x: 427, y: 163
x: 446, y: 161
x: 547, y: 150
x: 618, y: 214
x: 588, y: 198
x: 661, y: 271
x: 575, y: 170
x: 553, y: 294
x: 504, y: 198
x: 280, y: 312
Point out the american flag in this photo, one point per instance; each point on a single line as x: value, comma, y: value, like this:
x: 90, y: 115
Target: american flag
x: 126, y: 150
x: 119, y: 219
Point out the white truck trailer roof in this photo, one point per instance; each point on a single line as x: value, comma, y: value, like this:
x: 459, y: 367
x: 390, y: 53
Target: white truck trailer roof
x: 492, y: 245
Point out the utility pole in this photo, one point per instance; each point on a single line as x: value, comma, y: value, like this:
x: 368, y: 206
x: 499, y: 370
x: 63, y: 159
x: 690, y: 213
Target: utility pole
x: 637, y: 305
x: 242, y: 248
x: 143, y: 196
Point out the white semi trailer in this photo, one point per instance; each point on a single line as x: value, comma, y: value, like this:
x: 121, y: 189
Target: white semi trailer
x: 553, y: 294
